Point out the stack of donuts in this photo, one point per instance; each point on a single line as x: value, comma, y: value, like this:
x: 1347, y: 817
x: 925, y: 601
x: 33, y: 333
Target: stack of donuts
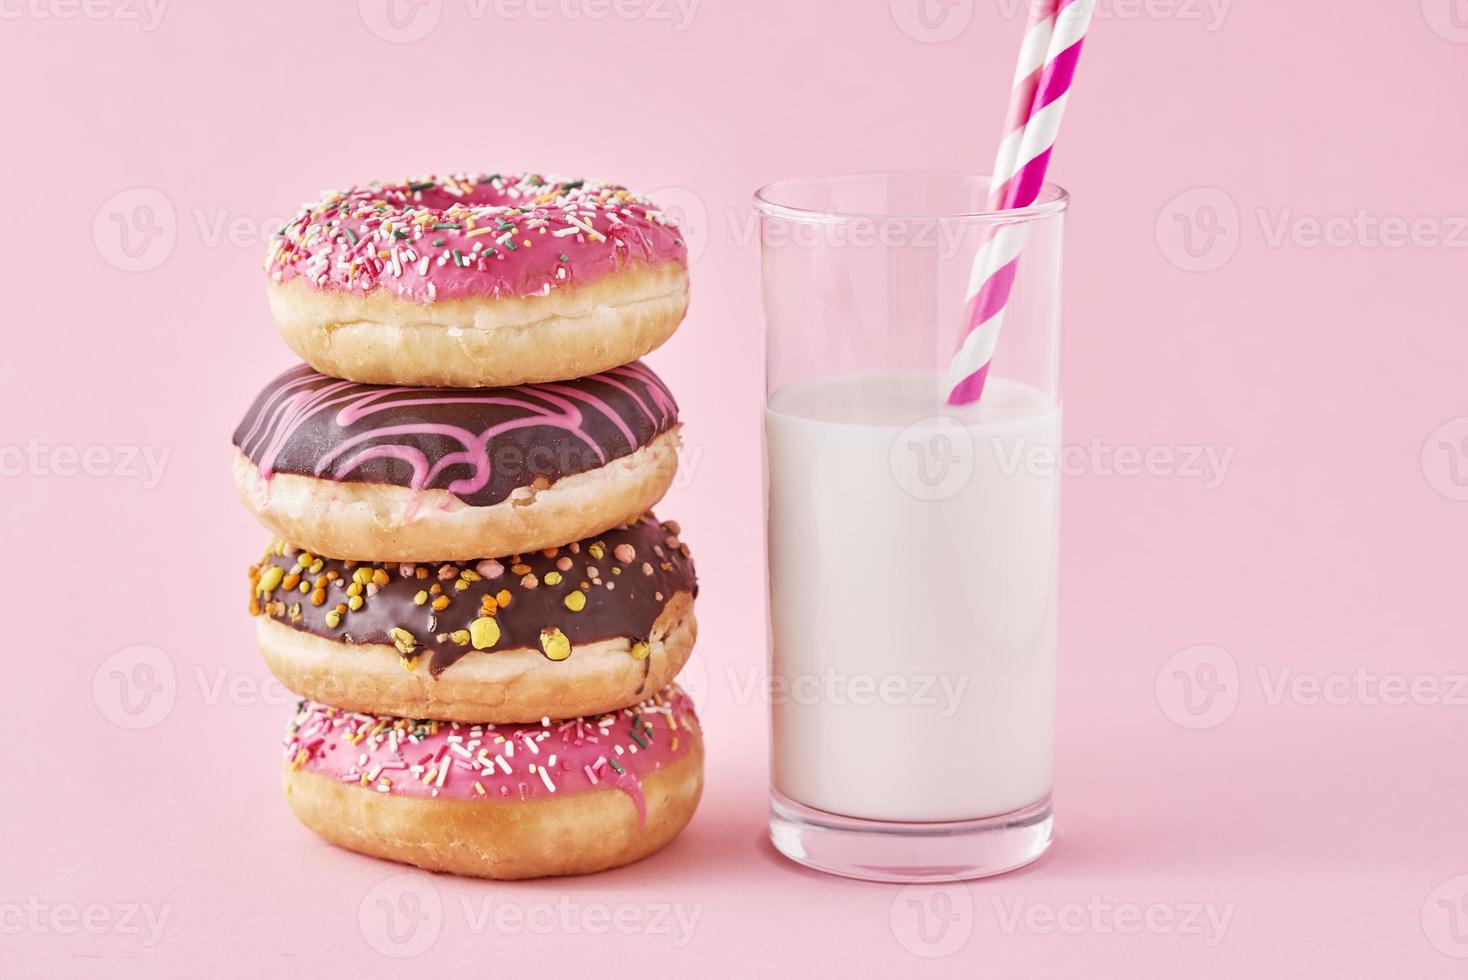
x: 466, y: 585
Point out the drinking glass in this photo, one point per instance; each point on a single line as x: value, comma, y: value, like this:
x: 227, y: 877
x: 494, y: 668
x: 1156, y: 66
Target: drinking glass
x: 912, y: 543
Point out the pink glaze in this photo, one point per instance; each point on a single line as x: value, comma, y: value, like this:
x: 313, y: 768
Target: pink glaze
x: 452, y: 761
x: 516, y: 236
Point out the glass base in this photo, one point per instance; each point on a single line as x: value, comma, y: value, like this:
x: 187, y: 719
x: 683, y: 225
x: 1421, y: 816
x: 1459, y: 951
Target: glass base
x: 879, y: 850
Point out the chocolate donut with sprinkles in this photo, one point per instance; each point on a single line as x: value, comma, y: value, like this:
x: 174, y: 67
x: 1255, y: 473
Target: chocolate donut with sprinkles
x: 498, y: 801
x: 575, y: 630
x: 393, y: 473
x: 477, y: 280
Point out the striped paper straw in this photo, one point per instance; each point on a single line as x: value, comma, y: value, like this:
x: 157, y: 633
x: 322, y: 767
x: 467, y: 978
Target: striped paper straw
x: 1038, y: 31
x: 998, y: 258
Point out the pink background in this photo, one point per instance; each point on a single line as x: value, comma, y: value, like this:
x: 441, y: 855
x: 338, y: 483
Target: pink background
x: 1205, y: 146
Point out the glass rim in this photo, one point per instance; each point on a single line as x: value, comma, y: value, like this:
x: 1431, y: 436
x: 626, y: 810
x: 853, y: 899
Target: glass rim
x: 1054, y: 199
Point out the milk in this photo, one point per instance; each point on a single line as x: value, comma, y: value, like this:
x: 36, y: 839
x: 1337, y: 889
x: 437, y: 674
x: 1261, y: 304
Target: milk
x: 912, y: 556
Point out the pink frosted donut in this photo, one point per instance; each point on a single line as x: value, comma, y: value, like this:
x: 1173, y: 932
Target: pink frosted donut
x: 477, y: 280
x: 498, y: 801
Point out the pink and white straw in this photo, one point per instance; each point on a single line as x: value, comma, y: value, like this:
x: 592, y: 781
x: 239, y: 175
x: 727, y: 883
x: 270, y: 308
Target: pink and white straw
x: 1041, y: 90
x: 1038, y: 31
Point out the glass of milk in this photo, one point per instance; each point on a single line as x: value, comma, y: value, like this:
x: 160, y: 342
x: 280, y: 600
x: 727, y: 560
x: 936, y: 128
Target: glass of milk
x: 912, y: 544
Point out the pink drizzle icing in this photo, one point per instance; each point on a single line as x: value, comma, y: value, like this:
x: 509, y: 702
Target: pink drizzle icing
x: 472, y: 235
x: 452, y: 761
x: 306, y: 423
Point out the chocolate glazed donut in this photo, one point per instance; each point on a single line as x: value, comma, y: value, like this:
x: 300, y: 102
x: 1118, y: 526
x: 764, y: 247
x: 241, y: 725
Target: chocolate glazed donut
x: 390, y: 473
x: 563, y: 632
